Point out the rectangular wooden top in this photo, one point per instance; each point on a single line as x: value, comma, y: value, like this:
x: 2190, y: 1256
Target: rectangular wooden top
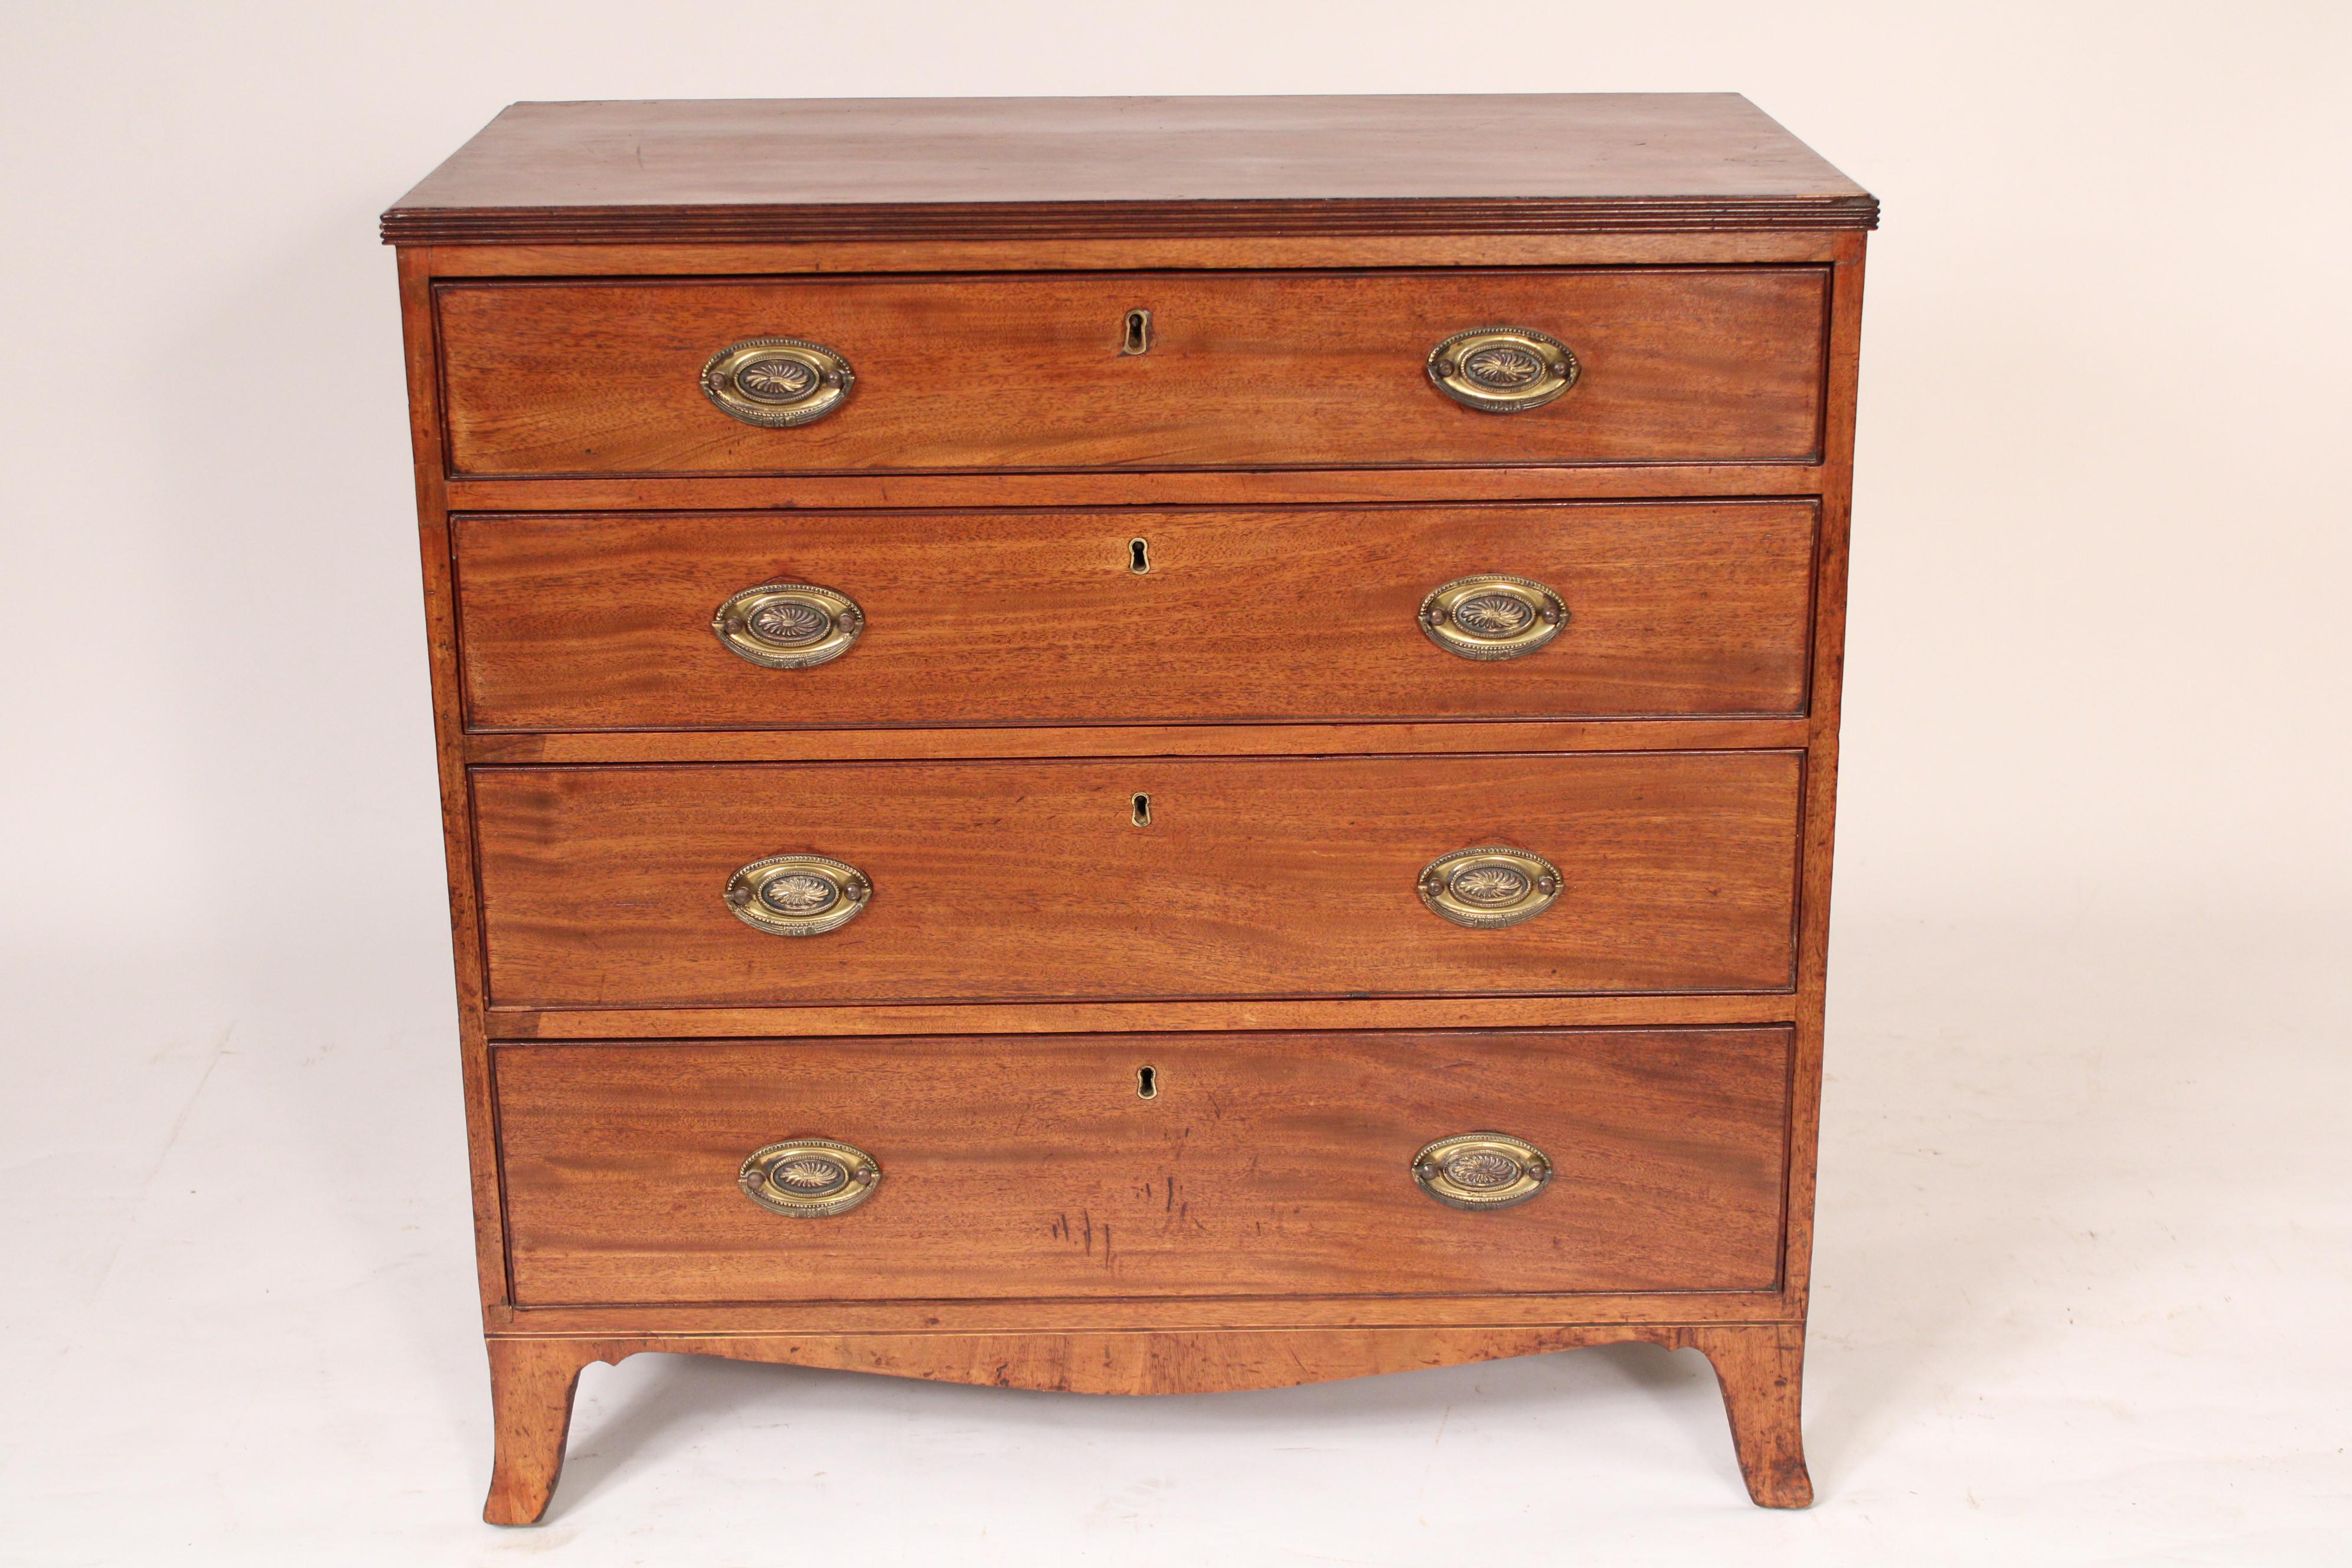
x: 759, y: 169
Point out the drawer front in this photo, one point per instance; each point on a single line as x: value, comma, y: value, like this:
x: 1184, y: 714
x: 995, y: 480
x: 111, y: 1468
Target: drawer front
x: 606, y: 622
x: 1035, y: 881
x: 1251, y: 369
x: 1033, y: 1167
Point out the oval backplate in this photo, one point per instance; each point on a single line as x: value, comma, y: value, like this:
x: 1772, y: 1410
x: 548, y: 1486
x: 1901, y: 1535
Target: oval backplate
x: 1489, y: 886
x: 798, y: 895
x: 1503, y: 369
x: 1481, y: 1169
x: 777, y: 381
x: 809, y: 1178
x: 788, y: 626
x: 1492, y: 615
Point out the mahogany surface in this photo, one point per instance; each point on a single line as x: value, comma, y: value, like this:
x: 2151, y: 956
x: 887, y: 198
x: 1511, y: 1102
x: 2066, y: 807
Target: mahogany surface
x: 1058, y: 167
x: 603, y: 622
x: 1030, y: 881
x: 1292, y: 370
x: 1260, y: 739
x: 534, y: 1379
x: 1262, y: 1164
x: 604, y: 765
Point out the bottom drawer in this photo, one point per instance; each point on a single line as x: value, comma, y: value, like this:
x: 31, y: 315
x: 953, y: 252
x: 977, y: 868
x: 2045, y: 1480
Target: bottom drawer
x: 1258, y: 1164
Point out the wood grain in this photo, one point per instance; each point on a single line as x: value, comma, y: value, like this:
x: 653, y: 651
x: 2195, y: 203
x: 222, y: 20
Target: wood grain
x: 603, y: 622
x: 1029, y: 881
x: 1004, y: 741
x: 532, y: 1385
x: 531, y: 1443
x: 1822, y: 768
x: 455, y: 802
x: 1138, y: 1362
x: 1061, y: 1017
x: 1159, y: 1314
x: 1761, y: 1369
x: 1369, y: 209
x: 1207, y: 486
x: 1263, y: 1164
x: 845, y: 169
x: 1292, y: 370
x: 1253, y: 252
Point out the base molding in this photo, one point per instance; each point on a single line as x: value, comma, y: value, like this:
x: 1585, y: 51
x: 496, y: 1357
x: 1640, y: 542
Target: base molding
x: 1759, y: 1366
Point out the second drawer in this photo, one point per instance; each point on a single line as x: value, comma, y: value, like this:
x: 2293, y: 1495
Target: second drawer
x: 617, y: 622
x: 1140, y: 878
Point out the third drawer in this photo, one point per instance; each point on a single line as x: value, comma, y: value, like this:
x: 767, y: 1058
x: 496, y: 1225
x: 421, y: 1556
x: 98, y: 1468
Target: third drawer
x: 1149, y: 877
x: 598, y: 622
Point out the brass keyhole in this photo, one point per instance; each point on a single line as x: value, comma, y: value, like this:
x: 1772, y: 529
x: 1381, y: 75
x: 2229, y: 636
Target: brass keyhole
x: 1138, y: 557
x: 1142, y: 817
x: 1138, y: 340
x: 1147, y: 1083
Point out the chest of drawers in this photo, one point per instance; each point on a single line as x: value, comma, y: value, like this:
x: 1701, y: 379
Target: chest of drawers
x: 1136, y: 745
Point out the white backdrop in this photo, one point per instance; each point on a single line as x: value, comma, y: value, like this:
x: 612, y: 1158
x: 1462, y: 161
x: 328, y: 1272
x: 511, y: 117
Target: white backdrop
x: 2084, y: 1210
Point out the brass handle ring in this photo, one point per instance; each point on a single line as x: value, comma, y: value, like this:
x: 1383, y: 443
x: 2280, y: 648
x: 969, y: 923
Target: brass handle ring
x: 1481, y: 1169
x: 1492, y: 616
x: 776, y: 382
x: 1503, y: 369
x: 1489, y: 887
x: 809, y: 1178
x: 788, y: 626
x: 798, y: 895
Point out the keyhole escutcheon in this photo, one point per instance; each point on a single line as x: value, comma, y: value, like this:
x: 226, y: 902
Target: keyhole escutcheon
x: 1137, y: 338
x: 1147, y: 1083
x: 1142, y: 804
x: 1138, y: 557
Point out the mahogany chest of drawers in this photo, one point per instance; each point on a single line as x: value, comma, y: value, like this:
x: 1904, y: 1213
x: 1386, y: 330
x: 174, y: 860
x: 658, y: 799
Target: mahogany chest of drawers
x: 1136, y: 745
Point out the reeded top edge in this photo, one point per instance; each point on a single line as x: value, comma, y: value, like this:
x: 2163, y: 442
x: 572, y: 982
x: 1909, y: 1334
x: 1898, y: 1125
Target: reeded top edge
x: 752, y: 170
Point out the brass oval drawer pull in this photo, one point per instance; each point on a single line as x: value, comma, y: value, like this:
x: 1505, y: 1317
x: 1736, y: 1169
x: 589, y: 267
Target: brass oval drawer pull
x: 1492, y: 616
x: 798, y: 895
x: 1481, y: 1169
x: 788, y: 626
x: 776, y: 382
x: 1489, y: 886
x: 809, y: 1178
x: 1503, y: 369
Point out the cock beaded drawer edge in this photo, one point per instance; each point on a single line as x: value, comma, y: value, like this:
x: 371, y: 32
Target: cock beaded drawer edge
x: 1136, y: 746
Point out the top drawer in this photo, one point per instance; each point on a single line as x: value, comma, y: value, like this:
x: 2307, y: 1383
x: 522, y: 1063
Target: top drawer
x: 1236, y: 370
